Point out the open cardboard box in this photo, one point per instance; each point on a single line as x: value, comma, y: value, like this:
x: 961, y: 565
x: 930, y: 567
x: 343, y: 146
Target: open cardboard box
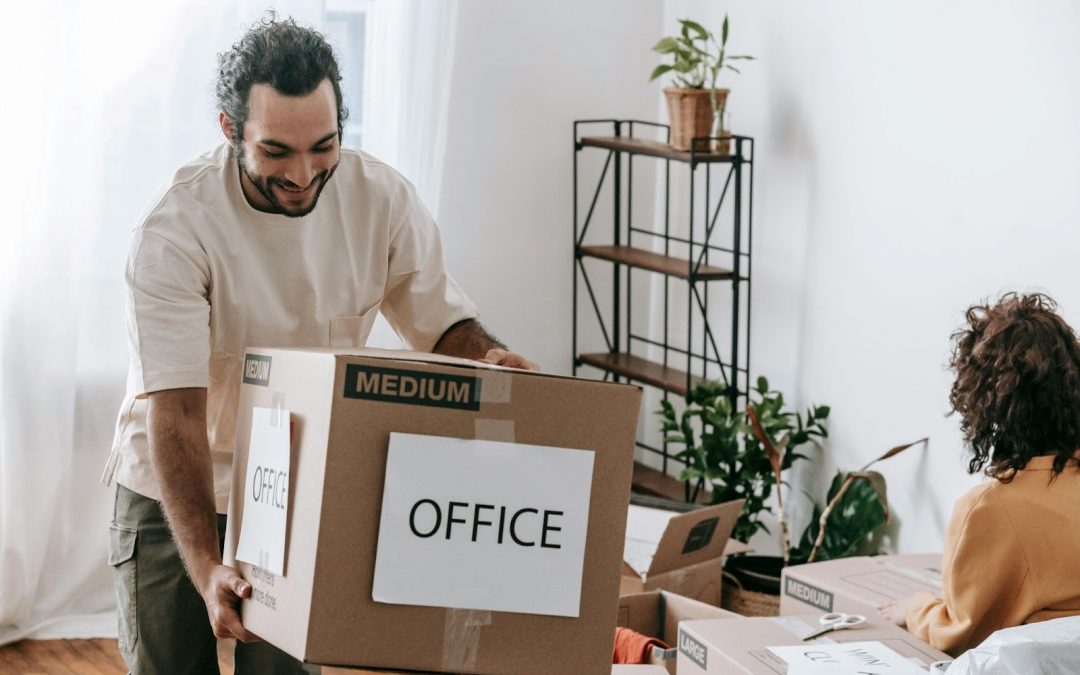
x: 726, y: 646
x: 857, y: 585
x: 344, y: 406
x: 617, y: 669
x: 679, y: 552
x: 658, y: 614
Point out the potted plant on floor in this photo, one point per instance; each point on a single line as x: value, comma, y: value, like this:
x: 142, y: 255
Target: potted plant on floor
x: 721, y: 451
x: 697, y: 60
x: 742, y: 454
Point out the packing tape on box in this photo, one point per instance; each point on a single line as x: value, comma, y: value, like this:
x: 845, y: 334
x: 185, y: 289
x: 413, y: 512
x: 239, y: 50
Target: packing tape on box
x: 277, y: 405
x: 495, y: 386
x: 461, y: 638
x: 485, y: 429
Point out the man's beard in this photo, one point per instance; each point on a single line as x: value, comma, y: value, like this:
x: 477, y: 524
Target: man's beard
x: 264, y: 186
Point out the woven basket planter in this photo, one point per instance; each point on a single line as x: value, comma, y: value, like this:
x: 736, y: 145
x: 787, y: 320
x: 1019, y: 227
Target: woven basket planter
x: 752, y: 585
x: 735, y: 598
x: 691, y: 115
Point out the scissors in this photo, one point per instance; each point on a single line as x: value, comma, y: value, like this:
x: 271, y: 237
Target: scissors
x: 837, y: 621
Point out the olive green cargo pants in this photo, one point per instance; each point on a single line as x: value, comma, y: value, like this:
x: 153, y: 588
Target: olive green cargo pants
x: 164, y: 627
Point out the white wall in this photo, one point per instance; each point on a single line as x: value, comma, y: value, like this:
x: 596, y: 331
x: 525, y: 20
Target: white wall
x: 916, y: 157
x: 522, y: 73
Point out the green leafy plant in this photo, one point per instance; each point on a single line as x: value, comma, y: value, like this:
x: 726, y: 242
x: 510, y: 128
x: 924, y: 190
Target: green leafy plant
x: 697, y: 58
x: 721, y: 450
x: 858, y: 514
x: 856, y: 507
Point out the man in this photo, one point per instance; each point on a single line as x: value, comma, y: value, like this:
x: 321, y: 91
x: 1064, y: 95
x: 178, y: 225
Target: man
x: 280, y: 237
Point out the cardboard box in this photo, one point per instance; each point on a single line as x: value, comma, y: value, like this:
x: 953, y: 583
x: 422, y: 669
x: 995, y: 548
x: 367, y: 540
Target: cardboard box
x: 682, y: 553
x: 658, y: 614
x: 616, y: 669
x: 725, y: 646
x: 857, y: 585
x: 344, y: 406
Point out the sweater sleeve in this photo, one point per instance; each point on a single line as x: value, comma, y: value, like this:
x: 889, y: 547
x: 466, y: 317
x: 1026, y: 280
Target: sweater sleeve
x: 986, y: 582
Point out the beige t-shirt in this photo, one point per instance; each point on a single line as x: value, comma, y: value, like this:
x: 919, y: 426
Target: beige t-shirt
x: 208, y: 275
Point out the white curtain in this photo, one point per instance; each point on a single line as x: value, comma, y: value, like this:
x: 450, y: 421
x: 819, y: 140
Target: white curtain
x: 406, y: 101
x: 102, y: 102
x: 409, y: 89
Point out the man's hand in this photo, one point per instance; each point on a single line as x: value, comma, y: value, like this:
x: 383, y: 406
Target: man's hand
x: 221, y: 591
x: 501, y: 357
x: 468, y: 339
x: 180, y: 456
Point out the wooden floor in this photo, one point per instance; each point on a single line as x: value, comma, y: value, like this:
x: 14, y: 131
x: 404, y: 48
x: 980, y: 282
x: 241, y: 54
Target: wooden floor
x: 76, y: 657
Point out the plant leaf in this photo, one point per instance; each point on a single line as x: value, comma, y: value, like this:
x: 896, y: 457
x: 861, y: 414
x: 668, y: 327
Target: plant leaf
x: 877, y: 482
x: 896, y: 451
x: 666, y: 45
x: 702, y: 34
x: 660, y: 70
x: 724, y: 31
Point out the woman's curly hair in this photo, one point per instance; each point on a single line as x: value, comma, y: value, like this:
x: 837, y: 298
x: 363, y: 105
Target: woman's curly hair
x: 1017, y: 387
x: 291, y: 58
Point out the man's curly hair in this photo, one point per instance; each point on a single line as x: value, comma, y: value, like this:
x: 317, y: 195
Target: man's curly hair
x: 292, y: 59
x: 1017, y: 387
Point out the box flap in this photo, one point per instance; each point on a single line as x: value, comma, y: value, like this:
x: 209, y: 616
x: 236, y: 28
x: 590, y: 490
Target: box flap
x: 696, y: 536
x: 640, y: 612
x: 735, y: 546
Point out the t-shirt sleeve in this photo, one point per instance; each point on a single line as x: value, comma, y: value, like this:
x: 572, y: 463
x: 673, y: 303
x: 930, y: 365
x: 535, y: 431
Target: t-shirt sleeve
x: 421, y: 300
x: 984, y: 578
x: 168, y: 315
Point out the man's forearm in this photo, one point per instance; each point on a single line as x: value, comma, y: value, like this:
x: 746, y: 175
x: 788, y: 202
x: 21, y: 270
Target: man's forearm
x: 467, y: 339
x: 180, y: 455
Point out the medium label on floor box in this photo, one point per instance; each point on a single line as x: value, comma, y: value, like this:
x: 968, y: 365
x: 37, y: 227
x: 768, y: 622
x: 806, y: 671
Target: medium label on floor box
x: 477, y: 524
x: 811, y: 595
x: 394, y: 385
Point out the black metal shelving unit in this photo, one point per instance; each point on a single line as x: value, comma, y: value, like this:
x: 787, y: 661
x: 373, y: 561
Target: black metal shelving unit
x: 702, y: 263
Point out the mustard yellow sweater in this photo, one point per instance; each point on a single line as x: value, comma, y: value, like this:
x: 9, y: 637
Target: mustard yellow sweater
x: 1012, y: 556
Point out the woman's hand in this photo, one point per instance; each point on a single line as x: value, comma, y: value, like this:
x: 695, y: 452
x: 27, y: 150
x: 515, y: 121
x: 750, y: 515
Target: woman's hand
x: 895, y: 612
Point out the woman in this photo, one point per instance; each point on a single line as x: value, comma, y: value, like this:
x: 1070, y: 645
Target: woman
x: 1012, y: 548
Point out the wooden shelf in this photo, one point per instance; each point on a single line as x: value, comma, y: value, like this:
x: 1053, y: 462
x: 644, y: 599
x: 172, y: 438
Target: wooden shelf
x: 644, y: 146
x: 657, y: 262
x: 641, y: 370
x: 649, y: 481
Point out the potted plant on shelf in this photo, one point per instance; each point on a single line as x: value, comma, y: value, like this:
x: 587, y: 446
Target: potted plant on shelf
x: 742, y: 454
x: 697, y: 60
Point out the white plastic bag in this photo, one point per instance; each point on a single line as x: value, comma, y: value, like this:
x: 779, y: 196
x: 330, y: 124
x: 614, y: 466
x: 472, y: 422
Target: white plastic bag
x: 1047, y: 648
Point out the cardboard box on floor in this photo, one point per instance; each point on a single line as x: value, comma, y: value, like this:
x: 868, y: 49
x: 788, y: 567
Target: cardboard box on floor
x: 687, y: 550
x: 322, y: 610
x: 658, y: 614
x: 726, y: 646
x: 617, y: 669
x: 857, y: 585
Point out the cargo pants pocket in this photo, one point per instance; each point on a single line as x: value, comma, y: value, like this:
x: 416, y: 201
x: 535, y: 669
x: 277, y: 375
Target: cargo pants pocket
x: 122, y: 559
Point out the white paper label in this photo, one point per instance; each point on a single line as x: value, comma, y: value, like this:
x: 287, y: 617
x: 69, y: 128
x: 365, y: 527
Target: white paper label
x: 483, y: 525
x: 266, y: 492
x: 849, y: 658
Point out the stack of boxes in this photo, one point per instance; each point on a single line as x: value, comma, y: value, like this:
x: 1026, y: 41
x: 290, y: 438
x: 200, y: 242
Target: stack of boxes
x: 441, y: 515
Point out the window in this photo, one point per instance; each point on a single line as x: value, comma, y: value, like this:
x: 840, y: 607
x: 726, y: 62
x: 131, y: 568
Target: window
x: 346, y: 25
